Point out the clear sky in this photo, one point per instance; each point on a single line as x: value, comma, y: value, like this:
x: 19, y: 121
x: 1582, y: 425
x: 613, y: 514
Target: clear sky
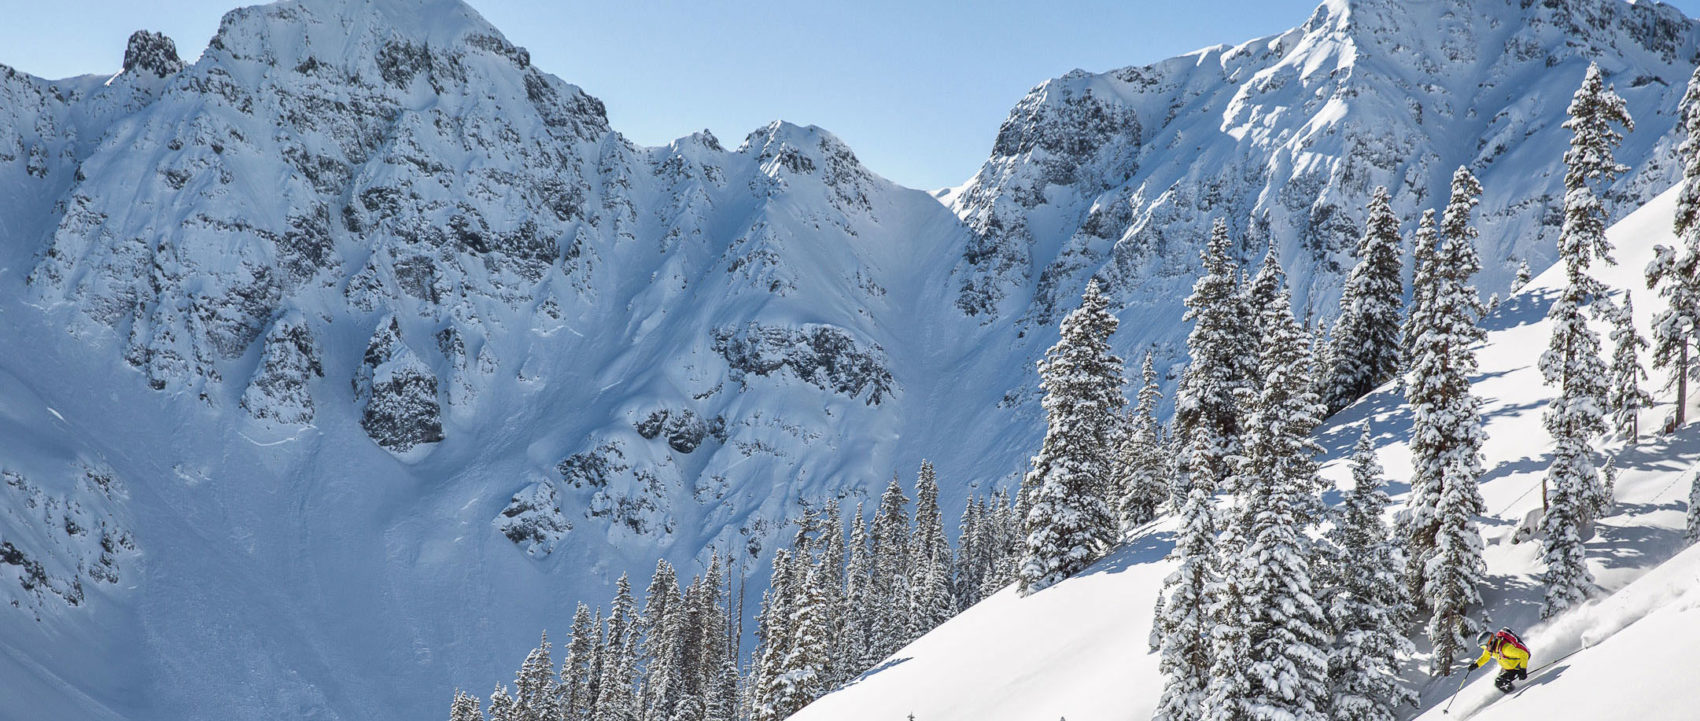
x: 916, y: 87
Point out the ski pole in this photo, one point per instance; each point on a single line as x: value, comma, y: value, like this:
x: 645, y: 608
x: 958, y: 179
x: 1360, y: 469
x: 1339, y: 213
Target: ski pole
x: 1454, y: 696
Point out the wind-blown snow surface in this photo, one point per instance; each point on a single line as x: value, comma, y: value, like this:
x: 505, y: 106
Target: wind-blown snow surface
x: 1079, y: 650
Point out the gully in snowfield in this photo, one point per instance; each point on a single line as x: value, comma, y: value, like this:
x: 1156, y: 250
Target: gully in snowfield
x: 1509, y: 651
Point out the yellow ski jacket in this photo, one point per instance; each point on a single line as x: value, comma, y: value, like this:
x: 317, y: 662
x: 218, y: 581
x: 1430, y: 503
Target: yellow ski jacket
x: 1508, y: 655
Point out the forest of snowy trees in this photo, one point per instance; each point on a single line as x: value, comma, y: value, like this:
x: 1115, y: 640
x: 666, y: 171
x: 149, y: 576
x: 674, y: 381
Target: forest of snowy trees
x: 1279, y: 606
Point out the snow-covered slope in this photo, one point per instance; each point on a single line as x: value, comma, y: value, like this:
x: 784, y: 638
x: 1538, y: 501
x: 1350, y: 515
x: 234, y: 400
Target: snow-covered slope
x: 1079, y: 650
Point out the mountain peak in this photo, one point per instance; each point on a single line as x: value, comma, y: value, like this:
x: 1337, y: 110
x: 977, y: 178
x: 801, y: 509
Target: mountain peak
x: 151, y: 52
x: 327, y: 30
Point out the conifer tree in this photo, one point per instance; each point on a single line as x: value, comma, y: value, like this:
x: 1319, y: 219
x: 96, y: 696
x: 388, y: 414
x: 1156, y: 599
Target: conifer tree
x: 1523, y: 276
x: 890, y: 586
x: 806, y: 662
x: 1627, y: 399
x: 1675, y: 272
x: 860, y: 603
x: 465, y: 707
x: 575, y: 695
x: 1692, y: 535
x: 1364, y: 351
x: 659, y: 650
x: 536, y: 697
x: 831, y: 566
x: 615, y: 694
x: 1218, y: 370
x: 929, y: 566
x: 1068, y: 525
x: 501, y: 704
x: 1424, y: 281
x: 970, y: 555
x: 1575, y: 417
x: 1284, y: 662
x: 1140, y: 459
x: 1182, y: 624
x: 1443, y: 543
x: 1368, y: 604
x: 1003, y: 550
x: 773, y: 631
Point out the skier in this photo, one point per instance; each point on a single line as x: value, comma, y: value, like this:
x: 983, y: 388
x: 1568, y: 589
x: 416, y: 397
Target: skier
x: 1509, y: 651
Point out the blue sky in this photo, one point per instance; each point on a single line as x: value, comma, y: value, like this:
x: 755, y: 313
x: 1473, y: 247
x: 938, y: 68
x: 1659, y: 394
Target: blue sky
x: 916, y: 87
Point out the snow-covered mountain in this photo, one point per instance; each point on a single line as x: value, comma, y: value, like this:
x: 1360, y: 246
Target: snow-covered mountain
x: 1118, y: 175
x: 384, y: 347
x: 1080, y: 650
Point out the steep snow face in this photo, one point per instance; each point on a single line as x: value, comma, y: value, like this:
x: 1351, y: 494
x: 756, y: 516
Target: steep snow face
x: 373, y: 323
x: 1117, y: 176
x: 1081, y: 649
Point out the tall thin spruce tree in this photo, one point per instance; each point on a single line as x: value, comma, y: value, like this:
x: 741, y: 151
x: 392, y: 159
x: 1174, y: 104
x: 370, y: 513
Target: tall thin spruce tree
x: 1068, y: 525
x: 1182, y: 624
x: 891, y: 573
x: 1444, y: 567
x: 1139, y: 457
x: 465, y: 707
x: 1675, y: 272
x: 1367, y: 604
x: 931, y: 602
x: 1627, y: 398
x: 1364, y: 348
x: 1218, y: 370
x: 1576, y: 416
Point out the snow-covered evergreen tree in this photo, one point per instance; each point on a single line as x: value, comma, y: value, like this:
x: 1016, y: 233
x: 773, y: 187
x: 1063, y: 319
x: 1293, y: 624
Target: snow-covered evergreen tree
x: 1675, y: 272
x: 465, y: 707
x: 659, y: 651
x: 831, y: 579
x: 1182, y: 625
x: 1285, y: 659
x: 890, y: 577
x: 1068, y: 525
x: 576, y: 699
x: 616, y: 698
x: 1420, y: 318
x: 1142, y: 486
x: 1219, y: 368
x: 1523, y: 276
x: 536, y: 697
x: 970, y: 565
x: 859, y: 601
x: 806, y: 663
x: 1443, y: 543
x: 1367, y: 604
x: 501, y: 704
x: 929, y: 566
x: 1364, y: 348
x: 1692, y: 536
x: 1626, y: 396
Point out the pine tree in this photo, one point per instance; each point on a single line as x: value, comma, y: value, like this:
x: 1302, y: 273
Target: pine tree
x: 1424, y: 281
x: 1069, y: 526
x: 536, y: 697
x: 465, y: 707
x: 1572, y: 362
x: 616, y: 699
x: 1283, y: 622
x: 1443, y: 543
x: 929, y: 566
x: 501, y: 705
x: 1139, y: 456
x: 1692, y: 535
x: 860, y: 604
x: 1675, y: 272
x: 1219, y: 369
x: 1364, y: 352
x: 833, y: 611
x: 576, y: 699
x: 1183, y: 623
x: 806, y: 662
x: 1627, y: 398
x: 970, y: 555
x: 1523, y: 276
x: 891, y: 573
x: 659, y: 651
x: 1368, y: 604
x: 773, y: 631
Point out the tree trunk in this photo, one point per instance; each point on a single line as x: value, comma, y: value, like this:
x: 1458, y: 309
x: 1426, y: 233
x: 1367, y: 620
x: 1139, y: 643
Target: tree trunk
x: 1682, y: 386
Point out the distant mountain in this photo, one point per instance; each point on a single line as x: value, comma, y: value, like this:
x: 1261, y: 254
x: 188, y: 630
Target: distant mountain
x: 375, y: 327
